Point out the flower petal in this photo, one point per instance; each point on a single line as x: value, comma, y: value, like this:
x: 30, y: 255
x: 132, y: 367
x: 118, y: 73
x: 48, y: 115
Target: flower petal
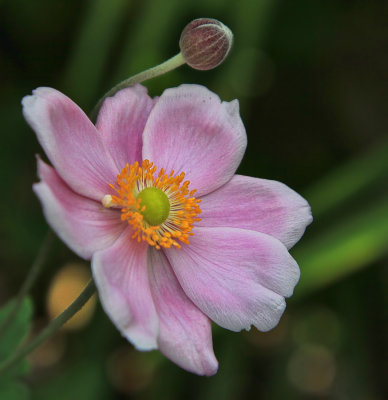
x: 185, y: 334
x: 121, y: 121
x: 236, y: 277
x: 189, y: 130
x: 71, y: 142
x: 121, y: 277
x: 83, y: 224
x: 260, y: 205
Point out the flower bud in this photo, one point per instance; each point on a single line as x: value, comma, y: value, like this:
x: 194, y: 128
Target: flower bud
x: 205, y: 43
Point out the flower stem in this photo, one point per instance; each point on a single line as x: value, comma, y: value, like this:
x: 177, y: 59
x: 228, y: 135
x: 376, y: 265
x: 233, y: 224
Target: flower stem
x: 169, y: 65
x: 29, y: 281
x: 51, y: 328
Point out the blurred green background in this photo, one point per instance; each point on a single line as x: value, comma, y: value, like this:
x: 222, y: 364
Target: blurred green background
x: 312, y: 81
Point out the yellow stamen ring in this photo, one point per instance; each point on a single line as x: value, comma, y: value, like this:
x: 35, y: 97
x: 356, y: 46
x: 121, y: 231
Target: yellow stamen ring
x: 160, y: 209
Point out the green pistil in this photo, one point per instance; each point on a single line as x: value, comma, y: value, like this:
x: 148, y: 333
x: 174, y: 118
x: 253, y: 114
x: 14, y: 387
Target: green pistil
x: 157, y: 205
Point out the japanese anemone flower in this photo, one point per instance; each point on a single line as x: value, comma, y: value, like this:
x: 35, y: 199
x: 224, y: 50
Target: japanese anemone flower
x: 176, y: 239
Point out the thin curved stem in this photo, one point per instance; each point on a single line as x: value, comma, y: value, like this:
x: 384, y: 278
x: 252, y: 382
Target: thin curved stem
x: 170, y: 64
x: 35, y: 269
x: 51, y: 328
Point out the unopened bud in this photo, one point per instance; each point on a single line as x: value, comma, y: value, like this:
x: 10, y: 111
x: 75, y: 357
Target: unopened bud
x: 205, y: 43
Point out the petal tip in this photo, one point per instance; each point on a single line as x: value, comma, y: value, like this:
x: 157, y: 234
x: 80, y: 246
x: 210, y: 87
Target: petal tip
x: 273, y: 319
x: 38, y: 92
x: 137, y: 89
x: 211, y: 369
x: 232, y: 107
x: 192, y: 90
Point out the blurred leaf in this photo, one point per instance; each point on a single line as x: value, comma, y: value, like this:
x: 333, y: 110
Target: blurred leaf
x: 12, y: 337
x: 91, y: 52
x: 18, y: 328
x: 14, y: 373
x: 358, y: 241
x: 250, y: 22
x: 88, y: 382
x: 13, y: 391
x: 348, y: 180
x: 146, y: 41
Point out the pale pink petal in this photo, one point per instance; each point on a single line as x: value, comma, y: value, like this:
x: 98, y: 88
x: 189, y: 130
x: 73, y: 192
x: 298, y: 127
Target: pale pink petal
x: 83, y: 224
x: 236, y: 277
x: 71, y: 142
x: 260, y: 205
x: 185, y: 335
x: 190, y: 130
x: 121, y: 277
x: 121, y: 121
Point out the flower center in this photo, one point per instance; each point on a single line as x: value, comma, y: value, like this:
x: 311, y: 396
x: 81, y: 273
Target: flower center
x: 157, y: 205
x: 160, y: 208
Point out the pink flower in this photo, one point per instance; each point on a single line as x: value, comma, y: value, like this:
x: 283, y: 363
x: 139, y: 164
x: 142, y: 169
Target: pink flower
x: 163, y: 268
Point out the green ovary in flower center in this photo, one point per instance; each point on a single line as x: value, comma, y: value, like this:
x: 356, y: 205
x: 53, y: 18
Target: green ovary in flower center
x: 156, y: 203
x: 160, y: 208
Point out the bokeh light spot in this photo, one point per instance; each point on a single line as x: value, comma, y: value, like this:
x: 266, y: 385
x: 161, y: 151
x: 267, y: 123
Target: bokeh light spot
x: 64, y: 289
x: 311, y: 369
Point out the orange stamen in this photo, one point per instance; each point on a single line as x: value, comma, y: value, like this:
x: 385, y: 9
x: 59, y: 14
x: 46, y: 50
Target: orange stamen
x: 184, y: 208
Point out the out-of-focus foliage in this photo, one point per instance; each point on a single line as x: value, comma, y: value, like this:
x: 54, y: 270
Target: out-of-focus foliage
x: 11, y: 387
x: 311, y: 77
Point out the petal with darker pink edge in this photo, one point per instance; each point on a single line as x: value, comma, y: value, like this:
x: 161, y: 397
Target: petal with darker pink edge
x: 236, y: 277
x: 260, y: 205
x: 121, y: 277
x: 71, y: 142
x: 121, y: 121
x: 190, y: 130
x: 185, y: 335
x: 83, y: 224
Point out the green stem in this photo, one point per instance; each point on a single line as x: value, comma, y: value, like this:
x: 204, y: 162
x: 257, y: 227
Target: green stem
x: 169, y: 65
x: 31, y: 277
x: 51, y: 328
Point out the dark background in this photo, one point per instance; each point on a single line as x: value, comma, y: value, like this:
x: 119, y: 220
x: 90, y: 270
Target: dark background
x: 312, y: 81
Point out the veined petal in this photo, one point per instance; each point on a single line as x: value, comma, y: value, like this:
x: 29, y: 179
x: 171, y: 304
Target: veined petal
x: 260, y: 205
x: 191, y: 130
x: 236, y: 277
x: 185, y: 335
x: 121, y: 121
x: 121, y: 277
x: 71, y: 142
x: 83, y: 224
